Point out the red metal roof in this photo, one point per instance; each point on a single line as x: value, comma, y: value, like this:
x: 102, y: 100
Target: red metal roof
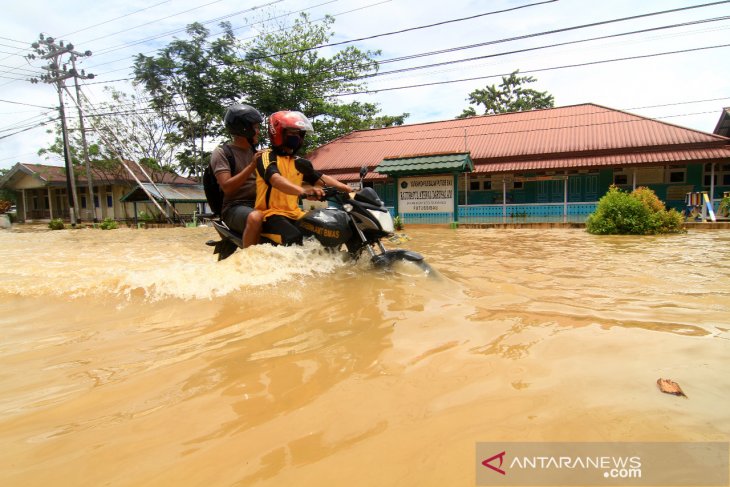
x: 57, y: 174
x: 638, y: 158
x: 573, y: 136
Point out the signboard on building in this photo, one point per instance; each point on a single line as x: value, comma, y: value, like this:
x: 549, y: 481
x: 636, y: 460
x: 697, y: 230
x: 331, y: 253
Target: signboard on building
x: 426, y: 194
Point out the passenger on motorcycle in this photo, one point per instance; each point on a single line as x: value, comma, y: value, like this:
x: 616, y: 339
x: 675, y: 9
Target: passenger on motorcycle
x: 280, y: 178
x: 239, y: 186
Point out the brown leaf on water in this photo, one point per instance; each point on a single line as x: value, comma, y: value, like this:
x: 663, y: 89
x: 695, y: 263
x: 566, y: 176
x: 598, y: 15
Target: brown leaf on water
x: 670, y: 387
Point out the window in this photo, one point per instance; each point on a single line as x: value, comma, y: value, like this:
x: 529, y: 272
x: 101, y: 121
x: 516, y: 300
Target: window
x: 722, y: 175
x: 619, y: 179
x: 109, y: 201
x: 474, y: 185
x: 488, y: 184
x: 518, y: 185
x: 677, y: 175
x: 83, y: 201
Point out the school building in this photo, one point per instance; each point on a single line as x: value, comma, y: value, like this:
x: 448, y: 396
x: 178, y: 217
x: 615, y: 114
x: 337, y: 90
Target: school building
x: 541, y: 165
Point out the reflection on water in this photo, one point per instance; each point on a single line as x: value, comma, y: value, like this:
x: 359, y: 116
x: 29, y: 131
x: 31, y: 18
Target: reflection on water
x: 134, y: 358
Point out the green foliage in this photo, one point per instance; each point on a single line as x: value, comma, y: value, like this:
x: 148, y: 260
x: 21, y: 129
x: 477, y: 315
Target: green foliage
x: 7, y: 194
x: 510, y: 96
x: 56, y: 224
x: 108, y: 224
x: 144, y: 216
x: 190, y: 82
x: 636, y: 213
x: 283, y: 70
x: 398, y: 222
x: 724, y: 208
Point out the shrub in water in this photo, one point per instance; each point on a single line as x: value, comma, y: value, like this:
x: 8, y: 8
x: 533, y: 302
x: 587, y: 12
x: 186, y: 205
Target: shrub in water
x: 108, y: 224
x: 636, y: 213
x: 56, y: 224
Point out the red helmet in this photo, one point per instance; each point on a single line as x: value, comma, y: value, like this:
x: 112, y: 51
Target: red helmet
x: 280, y: 121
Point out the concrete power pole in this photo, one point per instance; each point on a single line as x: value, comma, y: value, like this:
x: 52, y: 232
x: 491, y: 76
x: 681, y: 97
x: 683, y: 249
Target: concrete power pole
x: 90, y: 204
x: 46, y: 48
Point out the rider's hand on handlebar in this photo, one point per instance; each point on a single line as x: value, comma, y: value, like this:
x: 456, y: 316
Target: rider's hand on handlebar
x: 312, y: 193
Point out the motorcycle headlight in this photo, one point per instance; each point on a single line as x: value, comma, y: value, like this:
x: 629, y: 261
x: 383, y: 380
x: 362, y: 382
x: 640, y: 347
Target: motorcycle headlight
x: 385, y: 220
x: 347, y: 207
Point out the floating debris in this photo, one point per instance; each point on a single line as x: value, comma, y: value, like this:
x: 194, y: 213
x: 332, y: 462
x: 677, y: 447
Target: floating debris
x: 668, y: 386
x: 399, y: 238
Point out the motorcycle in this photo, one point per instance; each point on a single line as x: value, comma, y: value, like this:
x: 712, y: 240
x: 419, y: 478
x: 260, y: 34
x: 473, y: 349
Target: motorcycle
x: 359, y: 224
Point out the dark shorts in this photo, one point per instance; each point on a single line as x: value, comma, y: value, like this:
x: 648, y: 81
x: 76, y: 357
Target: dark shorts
x: 281, y: 230
x: 235, y: 216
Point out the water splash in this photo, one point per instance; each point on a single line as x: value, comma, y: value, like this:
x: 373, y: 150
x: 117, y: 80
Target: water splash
x: 84, y: 263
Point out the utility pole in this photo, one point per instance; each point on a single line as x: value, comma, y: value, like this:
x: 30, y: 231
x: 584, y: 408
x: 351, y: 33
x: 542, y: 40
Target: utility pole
x: 58, y: 72
x: 75, y: 55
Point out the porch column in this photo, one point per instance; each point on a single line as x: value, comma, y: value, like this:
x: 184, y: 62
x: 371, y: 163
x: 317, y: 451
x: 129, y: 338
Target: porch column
x: 456, y: 198
x: 50, y: 203
x: 504, y: 200
x: 25, y: 206
x: 565, y: 200
x: 712, y: 185
x: 466, y: 188
x: 634, y: 182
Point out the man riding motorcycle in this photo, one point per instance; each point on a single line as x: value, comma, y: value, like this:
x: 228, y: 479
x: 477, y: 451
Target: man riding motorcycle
x: 280, y: 176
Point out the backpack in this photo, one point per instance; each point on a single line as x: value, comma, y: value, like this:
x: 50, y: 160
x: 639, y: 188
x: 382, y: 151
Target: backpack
x: 213, y: 192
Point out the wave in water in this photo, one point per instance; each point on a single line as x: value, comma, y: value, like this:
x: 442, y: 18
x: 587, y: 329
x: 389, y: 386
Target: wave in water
x: 155, y: 264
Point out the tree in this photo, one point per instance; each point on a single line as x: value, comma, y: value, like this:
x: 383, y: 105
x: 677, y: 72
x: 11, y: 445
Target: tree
x: 122, y: 126
x: 7, y: 194
x: 509, y: 96
x: 283, y: 70
x: 190, y: 82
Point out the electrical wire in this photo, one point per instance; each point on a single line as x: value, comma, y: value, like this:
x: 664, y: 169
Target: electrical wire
x: 590, y: 63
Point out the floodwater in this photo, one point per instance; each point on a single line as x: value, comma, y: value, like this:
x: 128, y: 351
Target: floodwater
x: 133, y: 358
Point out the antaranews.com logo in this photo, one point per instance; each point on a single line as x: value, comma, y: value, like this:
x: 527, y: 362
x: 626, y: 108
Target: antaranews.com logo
x: 678, y: 463
x: 608, y: 467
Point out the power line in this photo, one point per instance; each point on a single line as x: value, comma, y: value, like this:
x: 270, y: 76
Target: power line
x: 27, y: 104
x: 260, y: 22
x: 410, y: 29
x: 30, y: 128
x: 116, y: 18
x: 165, y: 34
x: 590, y: 63
x: 510, y: 39
x: 520, y: 51
x: 13, y: 40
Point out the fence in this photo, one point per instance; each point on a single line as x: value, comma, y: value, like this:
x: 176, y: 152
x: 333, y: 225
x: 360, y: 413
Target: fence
x: 511, y: 213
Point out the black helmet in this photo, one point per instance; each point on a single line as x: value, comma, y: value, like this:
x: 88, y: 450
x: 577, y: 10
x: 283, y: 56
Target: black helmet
x: 240, y: 119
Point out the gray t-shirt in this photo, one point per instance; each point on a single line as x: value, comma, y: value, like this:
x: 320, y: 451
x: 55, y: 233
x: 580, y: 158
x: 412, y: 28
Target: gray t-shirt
x: 246, y: 194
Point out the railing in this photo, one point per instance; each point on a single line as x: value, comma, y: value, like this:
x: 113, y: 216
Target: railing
x: 510, y: 213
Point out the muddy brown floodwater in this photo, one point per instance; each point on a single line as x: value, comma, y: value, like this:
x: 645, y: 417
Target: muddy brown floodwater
x: 133, y: 358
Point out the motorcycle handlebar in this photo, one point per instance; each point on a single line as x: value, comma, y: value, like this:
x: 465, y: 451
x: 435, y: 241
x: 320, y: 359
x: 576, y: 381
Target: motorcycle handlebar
x: 329, y: 192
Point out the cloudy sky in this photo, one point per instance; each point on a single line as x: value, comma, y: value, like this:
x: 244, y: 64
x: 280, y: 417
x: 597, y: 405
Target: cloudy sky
x: 679, y: 74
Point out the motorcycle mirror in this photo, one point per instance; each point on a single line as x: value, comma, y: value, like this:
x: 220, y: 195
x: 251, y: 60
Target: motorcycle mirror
x: 363, y: 171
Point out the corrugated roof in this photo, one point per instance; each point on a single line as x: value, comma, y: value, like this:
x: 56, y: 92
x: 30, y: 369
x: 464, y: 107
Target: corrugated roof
x: 57, y: 174
x: 642, y: 158
x: 426, y: 164
x: 174, y: 193
x: 559, y: 133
